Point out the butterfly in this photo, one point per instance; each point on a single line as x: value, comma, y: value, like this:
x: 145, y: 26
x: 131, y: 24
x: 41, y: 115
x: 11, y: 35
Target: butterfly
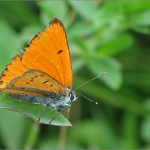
x: 43, y: 73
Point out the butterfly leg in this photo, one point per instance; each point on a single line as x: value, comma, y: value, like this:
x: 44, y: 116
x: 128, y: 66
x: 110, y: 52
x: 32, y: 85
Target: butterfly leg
x: 43, y: 112
x: 60, y: 111
x: 68, y: 109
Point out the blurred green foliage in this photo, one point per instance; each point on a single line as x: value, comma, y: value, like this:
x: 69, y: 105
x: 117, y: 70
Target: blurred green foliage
x: 103, y: 36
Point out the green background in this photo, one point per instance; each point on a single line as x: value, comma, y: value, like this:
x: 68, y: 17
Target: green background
x: 107, y: 36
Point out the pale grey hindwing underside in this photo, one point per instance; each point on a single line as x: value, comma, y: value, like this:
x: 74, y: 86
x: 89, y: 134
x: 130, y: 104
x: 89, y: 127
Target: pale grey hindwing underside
x: 34, y: 99
x: 44, y: 98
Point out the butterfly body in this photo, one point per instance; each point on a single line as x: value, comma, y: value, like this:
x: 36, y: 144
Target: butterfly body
x: 50, y: 100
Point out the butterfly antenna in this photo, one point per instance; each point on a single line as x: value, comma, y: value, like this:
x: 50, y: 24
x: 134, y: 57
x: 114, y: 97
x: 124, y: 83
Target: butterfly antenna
x: 88, y: 99
x: 90, y: 81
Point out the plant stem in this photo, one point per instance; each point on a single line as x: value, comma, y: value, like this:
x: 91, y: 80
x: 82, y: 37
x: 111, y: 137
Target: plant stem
x: 32, y: 136
x: 62, y: 134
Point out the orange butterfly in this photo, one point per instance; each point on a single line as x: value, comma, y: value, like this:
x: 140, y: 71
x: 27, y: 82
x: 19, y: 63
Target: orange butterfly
x: 43, y: 73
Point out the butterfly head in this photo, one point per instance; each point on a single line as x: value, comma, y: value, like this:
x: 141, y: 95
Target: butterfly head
x: 72, y: 96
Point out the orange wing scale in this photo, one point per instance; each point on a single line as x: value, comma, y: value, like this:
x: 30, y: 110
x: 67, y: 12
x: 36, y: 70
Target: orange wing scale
x: 16, y: 68
x: 48, y: 52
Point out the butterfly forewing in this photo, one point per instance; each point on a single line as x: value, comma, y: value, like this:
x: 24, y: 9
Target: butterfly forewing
x: 15, y: 68
x: 50, y: 51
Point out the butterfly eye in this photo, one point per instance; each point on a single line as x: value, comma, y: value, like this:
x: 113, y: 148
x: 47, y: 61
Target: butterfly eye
x: 71, y: 96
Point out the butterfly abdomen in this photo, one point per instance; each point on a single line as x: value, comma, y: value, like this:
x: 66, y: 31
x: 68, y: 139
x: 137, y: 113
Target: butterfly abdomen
x: 30, y: 98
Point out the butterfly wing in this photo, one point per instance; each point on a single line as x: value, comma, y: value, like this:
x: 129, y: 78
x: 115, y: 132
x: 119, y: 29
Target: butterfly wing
x: 34, y: 84
x: 48, y: 52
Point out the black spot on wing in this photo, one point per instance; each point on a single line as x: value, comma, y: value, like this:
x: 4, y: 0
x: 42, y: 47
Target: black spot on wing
x: 46, y: 81
x: 60, y: 51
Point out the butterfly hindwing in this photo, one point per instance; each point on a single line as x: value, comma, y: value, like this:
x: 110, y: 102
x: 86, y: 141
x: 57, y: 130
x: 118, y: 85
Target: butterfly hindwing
x: 35, y: 83
x: 37, y: 79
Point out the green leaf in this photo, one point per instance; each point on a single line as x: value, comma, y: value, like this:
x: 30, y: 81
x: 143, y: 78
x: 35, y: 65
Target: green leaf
x: 98, y: 136
x: 18, y: 13
x: 11, y: 129
x: 33, y: 111
x: 130, y: 130
x: 85, y: 8
x: 143, y: 18
x: 142, y: 29
x: 77, y: 64
x: 80, y: 29
x: 134, y: 6
x: 50, y: 8
x: 145, y: 129
x: 80, y: 46
x: 107, y: 15
x: 117, y: 45
x: 10, y: 44
x: 28, y: 32
x: 113, y: 76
